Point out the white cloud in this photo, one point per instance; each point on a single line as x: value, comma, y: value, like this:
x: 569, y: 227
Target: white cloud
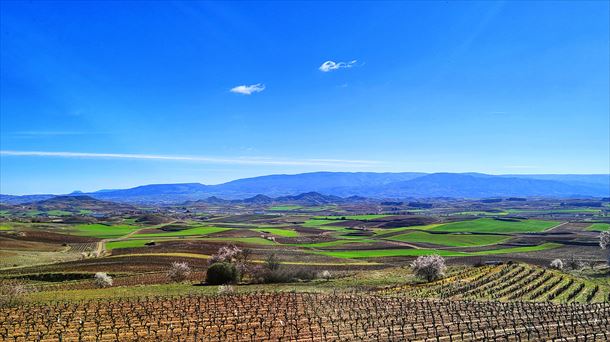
x: 330, y: 65
x: 248, y: 89
x: 199, y: 159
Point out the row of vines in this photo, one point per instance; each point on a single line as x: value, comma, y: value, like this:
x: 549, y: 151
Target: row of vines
x: 302, y: 317
x: 508, y: 283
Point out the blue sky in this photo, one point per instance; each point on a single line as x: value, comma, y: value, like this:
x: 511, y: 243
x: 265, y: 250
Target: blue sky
x: 110, y: 95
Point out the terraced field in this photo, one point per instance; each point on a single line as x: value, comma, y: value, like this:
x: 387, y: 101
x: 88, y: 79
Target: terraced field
x: 509, y: 283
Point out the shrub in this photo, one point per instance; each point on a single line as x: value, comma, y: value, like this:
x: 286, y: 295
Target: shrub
x: 573, y: 263
x: 430, y: 267
x: 557, y: 264
x: 281, y: 275
x: 222, y: 273
x: 179, y: 271
x: 102, y: 279
x: 272, y: 263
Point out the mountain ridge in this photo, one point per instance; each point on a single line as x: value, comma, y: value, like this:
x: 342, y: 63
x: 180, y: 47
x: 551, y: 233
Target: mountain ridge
x: 364, y: 184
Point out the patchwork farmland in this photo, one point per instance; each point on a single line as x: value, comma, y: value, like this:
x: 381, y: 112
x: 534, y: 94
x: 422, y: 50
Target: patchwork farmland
x: 309, y: 261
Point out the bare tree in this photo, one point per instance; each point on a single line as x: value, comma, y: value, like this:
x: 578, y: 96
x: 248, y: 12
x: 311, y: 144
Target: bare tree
x: 272, y: 262
x: 179, y: 271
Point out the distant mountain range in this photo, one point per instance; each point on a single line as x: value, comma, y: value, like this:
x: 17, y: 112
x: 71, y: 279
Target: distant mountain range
x: 365, y: 184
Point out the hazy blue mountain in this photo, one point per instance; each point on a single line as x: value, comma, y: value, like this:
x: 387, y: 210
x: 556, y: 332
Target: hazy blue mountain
x: 23, y: 199
x: 324, y: 182
x: 484, y: 186
x: 155, y: 193
x: 367, y: 184
x: 571, y: 179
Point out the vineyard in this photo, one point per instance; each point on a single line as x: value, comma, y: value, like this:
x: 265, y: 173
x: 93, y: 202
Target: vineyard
x: 302, y: 317
x: 507, y: 283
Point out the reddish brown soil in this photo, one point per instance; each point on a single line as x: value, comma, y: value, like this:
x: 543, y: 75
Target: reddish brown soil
x: 48, y: 237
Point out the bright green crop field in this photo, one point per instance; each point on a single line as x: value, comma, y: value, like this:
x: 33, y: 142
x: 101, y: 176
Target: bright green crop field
x: 424, y: 251
x: 599, y: 227
x: 277, y: 231
x: 103, y: 231
x: 453, y: 240
x: 489, y: 225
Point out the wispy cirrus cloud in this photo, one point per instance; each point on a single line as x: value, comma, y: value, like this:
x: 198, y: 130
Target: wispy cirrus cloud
x: 248, y: 89
x: 199, y: 159
x: 331, y: 65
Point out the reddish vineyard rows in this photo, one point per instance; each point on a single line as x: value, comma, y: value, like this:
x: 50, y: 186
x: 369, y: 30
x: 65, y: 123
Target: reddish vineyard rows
x: 302, y: 317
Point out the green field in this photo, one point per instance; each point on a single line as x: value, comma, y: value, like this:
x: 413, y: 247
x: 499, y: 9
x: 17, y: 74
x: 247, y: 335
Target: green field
x: 332, y: 243
x: 285, y: 207
x: 103, y: 231
x: 453, y: 240
x: 599, y: 227
x: 321, y: 224
x: 542, y: 247
x: 385, y: 231
x: 4, y: 227
x: 249, y: 240
x: 417, y: 252
x: 277, y: 231
x: 186, y: 232
x: 136, y: 243
x: 488, y: 225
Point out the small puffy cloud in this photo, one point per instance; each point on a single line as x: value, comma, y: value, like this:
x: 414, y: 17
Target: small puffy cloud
x: 330, y: 65
x: 248, y: 89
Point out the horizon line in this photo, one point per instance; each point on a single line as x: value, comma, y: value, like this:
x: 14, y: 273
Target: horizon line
x: 302, y: 173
